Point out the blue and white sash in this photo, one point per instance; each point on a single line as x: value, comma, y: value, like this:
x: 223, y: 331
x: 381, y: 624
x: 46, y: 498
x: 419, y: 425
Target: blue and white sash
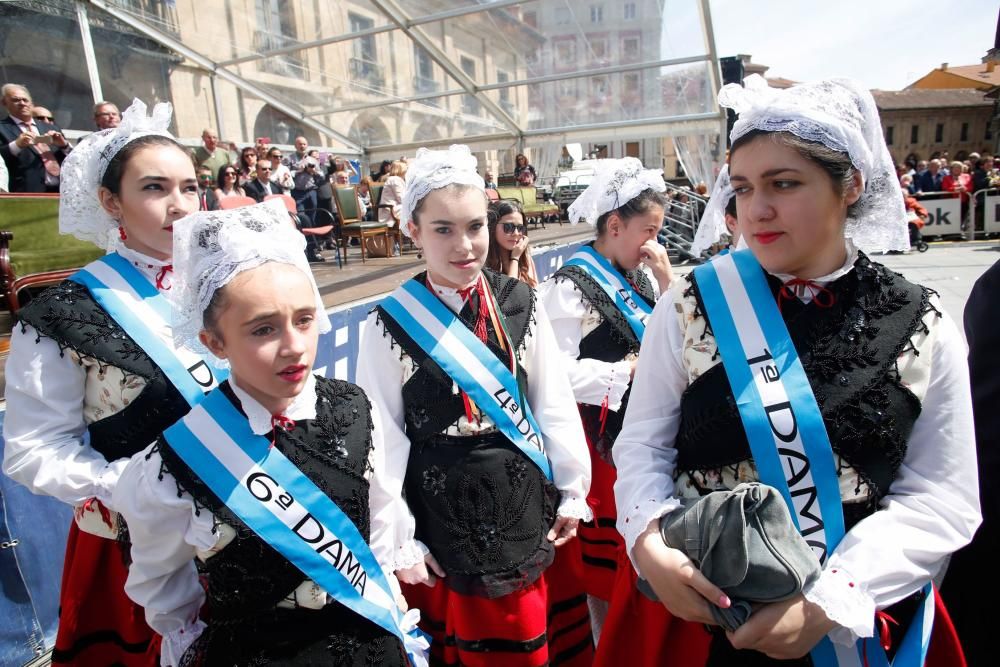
x: 467, y: 361
x: 289, y: 512
x: 139, y: 308
x: 784, y: 425
x: 633, y: 307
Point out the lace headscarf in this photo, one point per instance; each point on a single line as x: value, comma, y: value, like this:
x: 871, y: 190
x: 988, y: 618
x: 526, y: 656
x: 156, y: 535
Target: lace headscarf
x: 213, y: 247
x: 80, y: 210
x: 614, y: 184
x: 432, y: 170
x: 713, y: 220
x: 841, y: 115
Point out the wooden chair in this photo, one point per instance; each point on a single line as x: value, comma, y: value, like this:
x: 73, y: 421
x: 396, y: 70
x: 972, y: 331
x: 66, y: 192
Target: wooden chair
x: 227, y: 203
x: 351, y: 224
x: 396, y: 229
x: 18, y: 291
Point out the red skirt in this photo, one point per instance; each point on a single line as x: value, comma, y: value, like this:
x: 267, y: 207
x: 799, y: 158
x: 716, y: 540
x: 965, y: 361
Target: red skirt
x: 98, y: 624
x: 599, y: 539
x: 478, y: 632
x: 571, y: 640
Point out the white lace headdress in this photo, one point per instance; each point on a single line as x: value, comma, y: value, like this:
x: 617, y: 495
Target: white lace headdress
x: 614, y: 184
x: 213, y: 247
x: 841, y: 115
x: 713, y: 220
x: 432, y: 170
x: 80, y: 210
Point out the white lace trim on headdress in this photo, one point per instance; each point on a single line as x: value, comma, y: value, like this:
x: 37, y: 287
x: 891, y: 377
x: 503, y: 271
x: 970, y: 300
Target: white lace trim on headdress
x: 841, y: 115
x: 80, y: 210
x: 713, y: 221
x: 432, y: 170
x: 614, y: 184
x: 213, y: 247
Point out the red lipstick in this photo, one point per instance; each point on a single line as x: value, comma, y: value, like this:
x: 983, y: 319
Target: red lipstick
x: 294, y: 373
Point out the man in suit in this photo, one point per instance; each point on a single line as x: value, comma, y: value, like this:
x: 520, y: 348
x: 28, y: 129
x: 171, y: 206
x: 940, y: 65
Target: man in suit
x: 261, y: 186
x: 32, y: 150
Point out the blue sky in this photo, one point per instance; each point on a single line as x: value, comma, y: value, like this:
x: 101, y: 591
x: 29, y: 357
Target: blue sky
x: 884, y: 44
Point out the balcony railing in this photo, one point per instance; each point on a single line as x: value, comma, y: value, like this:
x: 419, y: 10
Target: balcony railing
x: 367, y: 72
x: 286, y: 64
x: 161, y: 14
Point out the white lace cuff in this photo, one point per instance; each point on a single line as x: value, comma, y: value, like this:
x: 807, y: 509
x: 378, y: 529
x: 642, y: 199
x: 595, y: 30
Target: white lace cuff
x: 409, y: 554
x: 846, y: 602
x: 575, y: 508
x: 632, y: 524
x: 176, y: 642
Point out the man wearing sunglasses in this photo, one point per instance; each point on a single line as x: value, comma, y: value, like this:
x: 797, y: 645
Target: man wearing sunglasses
x: 261, y: 185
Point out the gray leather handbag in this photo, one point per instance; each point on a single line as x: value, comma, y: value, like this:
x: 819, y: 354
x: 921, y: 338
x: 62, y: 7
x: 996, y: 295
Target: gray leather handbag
x: 745, y: 543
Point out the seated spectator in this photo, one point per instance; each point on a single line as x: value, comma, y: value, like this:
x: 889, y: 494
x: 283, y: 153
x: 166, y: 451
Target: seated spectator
x: 524, y: 173
x: 392, y: 193
x: 909, y: 186
x: 246, y: 166
x: 306, y: 182
x: 106, y: 115
x: 490, y: 180
x: 281, y: 175
x: 32, y: 150
x: 227, y: 184
x: 207, y: 201
x: 261, y: 185
x: 337, y: 164
x: 210, y: 154
x: 365, y: 196
x: 565, y: 160
x: 383, y: 171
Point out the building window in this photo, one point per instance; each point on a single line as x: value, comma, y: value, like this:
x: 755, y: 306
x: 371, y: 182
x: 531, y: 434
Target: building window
x: 424, y: 81
x: 562, y: 15
x: 939, y: 133
x: 505, y: 103
x: 596, y: 13
x: 914, y: 134
x: 363, y: 64
x: 567, y: 88
x: 965, y: 132
x: 276, y: 30
x: 888, y: 135
x: 630, y: 84
x: 599, y: 47
x: 629, y: 11
x: 470, y: 104
x: 630, y: 48
x: 530, y: 18
x: 566, y: 52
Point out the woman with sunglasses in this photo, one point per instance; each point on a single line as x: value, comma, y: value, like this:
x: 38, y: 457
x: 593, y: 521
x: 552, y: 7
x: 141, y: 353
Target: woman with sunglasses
x: 247, y: 165
x: 509, y: 253
x: 227, y: 183
x: 599, y: 333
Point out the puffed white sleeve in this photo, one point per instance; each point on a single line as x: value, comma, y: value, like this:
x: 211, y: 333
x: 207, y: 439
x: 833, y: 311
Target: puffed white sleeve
x: 45, y: 436
x: 644, y: 451
x: 931, y: 510
x: 380, y: 374
x: 166, y: 534
x: 382, y: 507
x: 551, y: 400
x: 592, y: 380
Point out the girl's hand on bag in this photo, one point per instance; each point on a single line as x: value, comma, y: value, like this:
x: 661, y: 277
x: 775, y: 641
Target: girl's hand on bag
x: 563, y: 530
x: 419, y: 574
x: 678, y: 583
x: 783, y: 630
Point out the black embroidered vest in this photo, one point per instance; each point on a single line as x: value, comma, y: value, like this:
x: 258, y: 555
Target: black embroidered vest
x: 248, y: 578
x: 849, y: 353
x: 612, y: 340
x: 482, y: 507
x: 68, y: 314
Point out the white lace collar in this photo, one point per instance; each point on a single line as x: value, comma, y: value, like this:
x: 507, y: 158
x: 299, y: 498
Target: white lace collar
x: 804, y: 293
x: 302, y: 406
x: 449, y: 295
x: 148, y: 266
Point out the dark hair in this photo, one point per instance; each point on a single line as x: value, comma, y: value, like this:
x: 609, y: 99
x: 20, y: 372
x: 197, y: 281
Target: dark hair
x: 222, y: 172
x: 641, y: 204
x: 112, y: 179
x: 210, y: 318
x: 494, y: 260
x: 836, y: 164
x: 731, y: 206
x: 451, y: 187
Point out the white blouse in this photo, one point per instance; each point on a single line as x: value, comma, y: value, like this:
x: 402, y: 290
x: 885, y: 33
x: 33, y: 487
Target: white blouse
x: 382, y: 373
x: 931, y: 508
x: 167, y: 534
x: 51, y: 398
x: 572, y: 318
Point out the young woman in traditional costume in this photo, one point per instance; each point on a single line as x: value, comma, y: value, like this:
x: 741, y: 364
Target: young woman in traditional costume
x: 262, y: 507
x: 598, y: 303
x: 481, y: 431
x: 803, y: 364
x: 93, y: 375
